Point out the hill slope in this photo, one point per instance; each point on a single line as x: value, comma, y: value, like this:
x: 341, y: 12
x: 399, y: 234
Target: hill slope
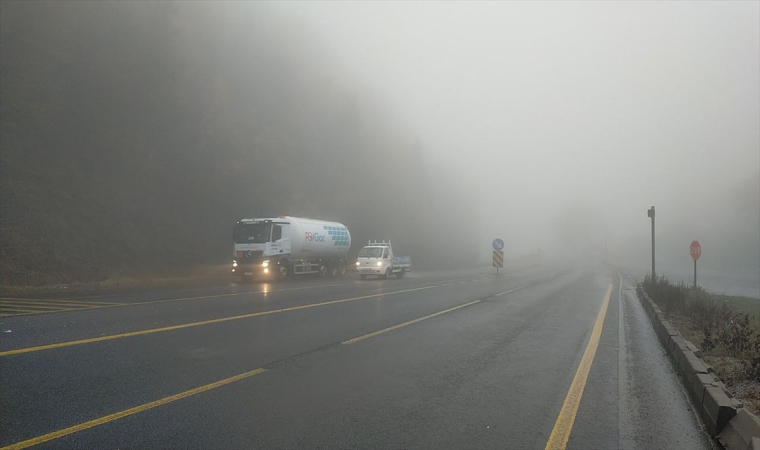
x: 134, y: 134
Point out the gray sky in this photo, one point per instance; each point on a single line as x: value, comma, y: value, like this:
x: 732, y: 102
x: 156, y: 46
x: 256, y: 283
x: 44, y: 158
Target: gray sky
x: 601, y: 109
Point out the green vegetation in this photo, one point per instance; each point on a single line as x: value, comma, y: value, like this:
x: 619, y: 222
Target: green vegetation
x: 727, y: 329
x: 134, y: 134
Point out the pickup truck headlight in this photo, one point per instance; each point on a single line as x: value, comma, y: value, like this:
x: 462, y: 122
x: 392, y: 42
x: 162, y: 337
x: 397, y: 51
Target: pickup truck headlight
x: 358, y: 263
x: 379, y: 263
x: 265, y: 263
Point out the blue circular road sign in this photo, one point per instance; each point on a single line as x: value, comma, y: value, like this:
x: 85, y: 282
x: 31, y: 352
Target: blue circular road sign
x: 498, y: 244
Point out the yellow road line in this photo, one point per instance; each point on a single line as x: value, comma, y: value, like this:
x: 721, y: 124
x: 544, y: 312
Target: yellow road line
x: 196, y: 324
x: 18, y: 310
x: 129, y: 412
x: 64, y: 310
x: 56, y: 300
x: 264, y: 291
x: 42, y: 307
x: 52, y: 303
x: 79, y: 297
x: 396, y: 327
x: 237, y: 294
x: 564, y: 425
x: 92, y: 305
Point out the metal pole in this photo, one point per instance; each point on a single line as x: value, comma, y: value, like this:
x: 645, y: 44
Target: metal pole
x: 650, y: 213
x: 695, y: 274
x: 653, y: 271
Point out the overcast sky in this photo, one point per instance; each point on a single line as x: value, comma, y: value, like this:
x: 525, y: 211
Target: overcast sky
x: 604, y: 108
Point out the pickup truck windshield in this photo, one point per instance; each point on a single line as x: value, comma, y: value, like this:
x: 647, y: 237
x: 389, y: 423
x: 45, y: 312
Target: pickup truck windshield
x: 371, y: 252
x: 252, y: 233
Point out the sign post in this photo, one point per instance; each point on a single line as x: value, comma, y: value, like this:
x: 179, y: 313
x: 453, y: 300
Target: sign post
x: 650, y: 214
x: 498, y: 254
x: 696, y: 251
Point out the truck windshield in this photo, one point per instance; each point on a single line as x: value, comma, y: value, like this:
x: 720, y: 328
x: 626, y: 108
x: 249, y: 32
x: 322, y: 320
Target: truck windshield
x: 252, y: 233
x: 371, y: 252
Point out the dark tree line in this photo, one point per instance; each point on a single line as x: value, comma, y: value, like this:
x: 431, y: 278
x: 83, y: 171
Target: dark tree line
x: 134, y: 134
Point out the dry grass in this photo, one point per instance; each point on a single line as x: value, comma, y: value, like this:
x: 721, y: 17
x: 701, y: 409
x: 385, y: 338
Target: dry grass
x: 730, y: 371
x: 692, y: 311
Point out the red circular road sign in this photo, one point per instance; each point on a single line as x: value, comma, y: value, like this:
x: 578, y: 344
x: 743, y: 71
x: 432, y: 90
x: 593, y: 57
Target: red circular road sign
x: 696, y: 250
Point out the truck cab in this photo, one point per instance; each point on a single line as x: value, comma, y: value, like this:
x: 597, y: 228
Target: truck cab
x: 377, y: 259
x: 258, y: 245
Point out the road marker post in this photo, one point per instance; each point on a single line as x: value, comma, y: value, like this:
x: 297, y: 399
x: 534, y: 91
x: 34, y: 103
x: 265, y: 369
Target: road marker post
x: 498, y: 254
x: 498, y: 260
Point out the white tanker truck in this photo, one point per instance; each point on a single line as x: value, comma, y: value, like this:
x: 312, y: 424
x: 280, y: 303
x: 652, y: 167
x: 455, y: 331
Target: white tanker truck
x: 284, y: 246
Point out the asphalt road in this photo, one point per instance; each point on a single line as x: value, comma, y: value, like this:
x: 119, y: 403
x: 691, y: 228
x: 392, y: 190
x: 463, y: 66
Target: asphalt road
x: 435, y: 360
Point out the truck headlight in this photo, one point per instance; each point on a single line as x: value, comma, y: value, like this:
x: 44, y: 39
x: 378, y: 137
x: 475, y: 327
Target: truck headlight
x: 358, y: 263
x: 379, y: 263
x: 265, y: 263
x: 234, y: 263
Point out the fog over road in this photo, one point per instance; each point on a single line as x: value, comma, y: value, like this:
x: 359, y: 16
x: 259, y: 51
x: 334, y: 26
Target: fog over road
x: 434, y: 360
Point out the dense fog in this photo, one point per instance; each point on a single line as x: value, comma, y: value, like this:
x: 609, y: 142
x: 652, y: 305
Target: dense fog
x: 134, y: 134
x: 568, y: 120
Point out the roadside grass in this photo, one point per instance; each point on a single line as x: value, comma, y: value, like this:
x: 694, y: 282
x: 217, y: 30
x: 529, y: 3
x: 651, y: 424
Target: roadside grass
x: 730, y: 372
x: 726, y: 329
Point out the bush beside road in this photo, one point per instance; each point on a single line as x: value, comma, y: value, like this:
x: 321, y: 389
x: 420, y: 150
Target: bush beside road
x: 725, y: 329
x: 723, y: 373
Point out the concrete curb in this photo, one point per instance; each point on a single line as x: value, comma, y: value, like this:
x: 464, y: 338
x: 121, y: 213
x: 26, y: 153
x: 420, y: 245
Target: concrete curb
x: 734, y: 427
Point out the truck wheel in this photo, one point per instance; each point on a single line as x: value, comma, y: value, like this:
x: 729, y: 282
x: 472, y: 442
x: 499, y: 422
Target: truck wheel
x: 401, y: 274
x: 343, y: 271
x: 282, y: 271
x: 333, y: 270
x: 322, y: 271
x: 387, y: 274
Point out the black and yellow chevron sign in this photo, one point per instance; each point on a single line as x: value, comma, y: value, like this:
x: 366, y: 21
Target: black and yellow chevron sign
x: 498, y: 258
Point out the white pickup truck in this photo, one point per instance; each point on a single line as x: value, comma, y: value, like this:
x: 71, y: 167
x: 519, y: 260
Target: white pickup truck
x: 377, y: 259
